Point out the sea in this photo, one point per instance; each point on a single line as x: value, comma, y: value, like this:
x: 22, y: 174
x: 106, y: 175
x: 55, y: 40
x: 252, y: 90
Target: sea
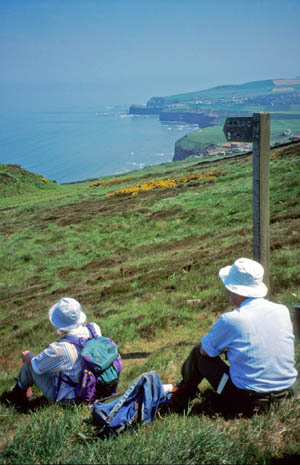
x: 69, y: 143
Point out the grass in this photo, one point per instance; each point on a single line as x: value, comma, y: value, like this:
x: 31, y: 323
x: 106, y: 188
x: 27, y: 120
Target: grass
x: 145, y: 268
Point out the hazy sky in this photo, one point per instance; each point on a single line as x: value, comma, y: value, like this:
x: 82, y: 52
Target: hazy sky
x: 127, y: 51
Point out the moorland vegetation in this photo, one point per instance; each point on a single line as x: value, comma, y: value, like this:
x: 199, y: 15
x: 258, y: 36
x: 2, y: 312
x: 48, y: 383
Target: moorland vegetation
x: 143, y: 262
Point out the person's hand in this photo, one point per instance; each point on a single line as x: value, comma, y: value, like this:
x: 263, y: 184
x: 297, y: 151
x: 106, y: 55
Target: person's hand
x: 27, y: 356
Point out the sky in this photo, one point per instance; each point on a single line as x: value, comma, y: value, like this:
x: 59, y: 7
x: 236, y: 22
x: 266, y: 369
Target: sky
x: 126, y: 51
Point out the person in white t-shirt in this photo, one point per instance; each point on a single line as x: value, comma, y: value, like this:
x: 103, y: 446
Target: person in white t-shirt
x: 257, y: 338
x: 60, y: 357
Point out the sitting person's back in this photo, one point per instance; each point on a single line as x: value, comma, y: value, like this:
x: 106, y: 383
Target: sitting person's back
x: 259, y: 340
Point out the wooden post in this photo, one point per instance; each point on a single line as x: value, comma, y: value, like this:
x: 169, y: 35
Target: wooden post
x: 261, y: 197
x: 256, y: 129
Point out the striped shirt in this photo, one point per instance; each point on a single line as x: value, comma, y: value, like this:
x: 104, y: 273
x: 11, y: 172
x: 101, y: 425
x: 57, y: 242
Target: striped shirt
x: 63, y: 357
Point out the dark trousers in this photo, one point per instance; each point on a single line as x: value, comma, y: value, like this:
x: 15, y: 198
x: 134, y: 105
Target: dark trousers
x: 197, y: 366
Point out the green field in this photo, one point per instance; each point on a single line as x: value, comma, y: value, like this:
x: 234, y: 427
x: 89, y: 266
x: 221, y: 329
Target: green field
x: 144, y: 264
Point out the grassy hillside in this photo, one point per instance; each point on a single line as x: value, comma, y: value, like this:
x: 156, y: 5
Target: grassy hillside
x: 141, y: 252
x: 14, y: 180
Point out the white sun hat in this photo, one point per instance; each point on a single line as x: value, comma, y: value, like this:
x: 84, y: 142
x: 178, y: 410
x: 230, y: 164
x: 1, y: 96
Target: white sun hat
x: 67, y: 314
x: 245, y: 278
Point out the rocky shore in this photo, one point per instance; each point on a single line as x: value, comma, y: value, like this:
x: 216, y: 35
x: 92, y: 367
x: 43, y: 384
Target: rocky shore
x: 202, y: 118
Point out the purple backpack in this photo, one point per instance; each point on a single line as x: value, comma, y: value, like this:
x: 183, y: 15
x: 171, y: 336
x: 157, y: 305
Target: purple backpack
x: 102, y: 367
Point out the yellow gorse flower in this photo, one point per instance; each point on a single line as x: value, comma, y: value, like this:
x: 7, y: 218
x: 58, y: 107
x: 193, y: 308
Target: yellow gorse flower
x: 109, y: 182
x: 163, y: 183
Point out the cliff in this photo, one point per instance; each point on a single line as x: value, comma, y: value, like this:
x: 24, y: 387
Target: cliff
x: 181, y: 153
x: 184, y: 148
x: 201, y: 118
x: 144, y: 110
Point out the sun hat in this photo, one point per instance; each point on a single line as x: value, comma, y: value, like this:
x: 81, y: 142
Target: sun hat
x: 67, y: 314
x: 245, y: 278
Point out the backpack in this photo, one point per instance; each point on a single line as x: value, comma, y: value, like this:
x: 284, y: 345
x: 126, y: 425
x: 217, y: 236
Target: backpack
x: 102, y: 367
x: 138, y: 404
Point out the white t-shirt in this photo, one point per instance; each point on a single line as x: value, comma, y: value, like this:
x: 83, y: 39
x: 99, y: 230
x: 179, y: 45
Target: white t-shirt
x: 259, y: 340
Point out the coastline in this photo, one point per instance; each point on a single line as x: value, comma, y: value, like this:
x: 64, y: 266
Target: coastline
x: 86, y: 142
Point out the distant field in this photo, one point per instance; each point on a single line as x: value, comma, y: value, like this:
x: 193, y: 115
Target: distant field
x: 278, y: 126
x: 210, y: 135
x: 249, y: 89
x: 286, y: 82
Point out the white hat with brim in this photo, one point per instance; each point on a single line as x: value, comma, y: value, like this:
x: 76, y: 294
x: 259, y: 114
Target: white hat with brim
x: 67, y: 314
x: 245, y: 278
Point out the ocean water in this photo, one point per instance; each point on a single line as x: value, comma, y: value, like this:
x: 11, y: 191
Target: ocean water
x: 73, y: 143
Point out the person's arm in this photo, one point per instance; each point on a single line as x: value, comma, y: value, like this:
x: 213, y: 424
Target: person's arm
x: 218, y: 339
x: 205, y: 354
x: 27, y: 357
x: 58, y: 356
